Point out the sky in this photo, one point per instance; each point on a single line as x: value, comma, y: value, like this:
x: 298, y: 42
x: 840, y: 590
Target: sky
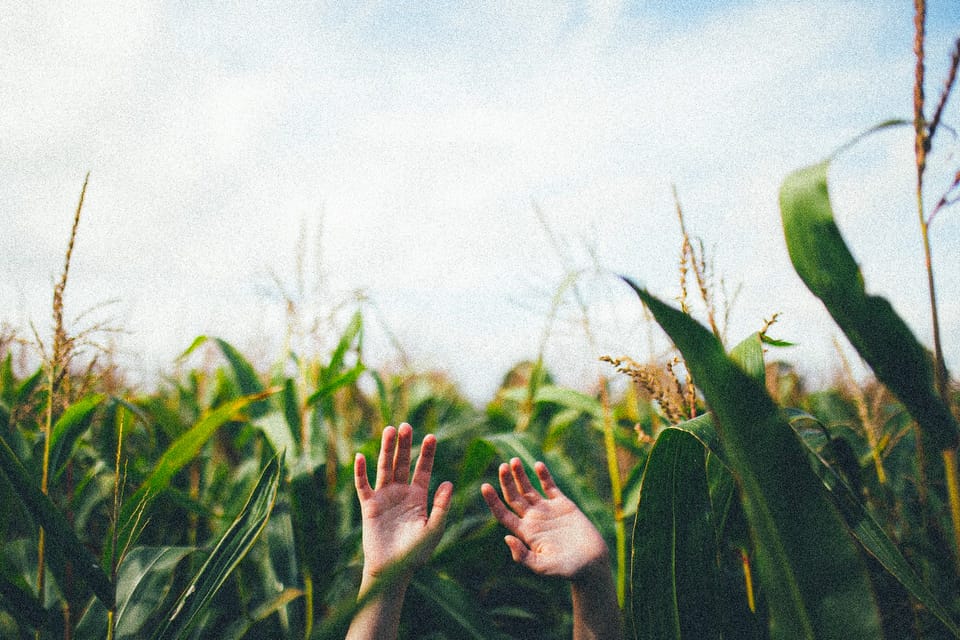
x: 451, y: 167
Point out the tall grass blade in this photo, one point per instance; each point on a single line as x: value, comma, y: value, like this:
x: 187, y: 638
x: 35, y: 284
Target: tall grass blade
x: 816, y: 585
x: 229, y: 551
x: 674, y: 570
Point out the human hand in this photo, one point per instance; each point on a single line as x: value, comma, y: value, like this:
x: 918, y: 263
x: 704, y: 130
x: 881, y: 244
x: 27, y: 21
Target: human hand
x: 394, y: 511
x: 551, y: 536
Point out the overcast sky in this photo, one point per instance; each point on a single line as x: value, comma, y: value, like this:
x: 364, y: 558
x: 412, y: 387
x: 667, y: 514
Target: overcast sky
x: 410, y: 146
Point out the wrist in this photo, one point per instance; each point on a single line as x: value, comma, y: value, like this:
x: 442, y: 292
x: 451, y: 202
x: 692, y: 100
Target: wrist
x: 596, y: 571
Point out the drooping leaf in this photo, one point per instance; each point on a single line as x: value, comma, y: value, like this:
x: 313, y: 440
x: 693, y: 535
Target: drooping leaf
x: 674, y: 569
x: 226, y: 555
x: 880, y: 336
x: 816, y: 585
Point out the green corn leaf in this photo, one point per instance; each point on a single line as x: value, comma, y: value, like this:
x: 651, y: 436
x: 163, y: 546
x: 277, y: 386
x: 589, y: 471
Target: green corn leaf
x: 143, y: 583
x: 815, y: 583
x: 330, y: 386
x: 59, y: 534
x: 69, y: 427
x: 864, y: 527
x: 570, y: 399
x: 880, y: 336
x: 229, y: 551
x: 291, y: 408
x: 749, y: 355
x: 8, y: 382
x: 178, y: 454
x: 674, y: 570
x: 354, y: 331
x: 15, y: 598
x: 246, y: 376
x: 315, y: 517
x: 454, y: 605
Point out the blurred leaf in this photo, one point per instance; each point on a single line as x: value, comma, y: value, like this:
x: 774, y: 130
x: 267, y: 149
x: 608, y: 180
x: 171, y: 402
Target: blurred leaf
x: 59, y: 534
x: 452, y: 603
x: 352, y: 332
x: 480, y: 455
x: 229, y: 551
x: 239, y: 629
x: 880, y: 336
x: 749, y: 355
x: 291, y: 409
x: 69, y: 427
x: 815, y: 583
x: 330, y: 386
x: 315, y: 518
x: 674, y: 571
x: 15, y: 598
x: 570, y: 399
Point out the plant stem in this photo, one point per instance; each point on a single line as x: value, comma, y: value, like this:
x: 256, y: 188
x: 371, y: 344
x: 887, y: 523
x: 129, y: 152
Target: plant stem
x: 617, y: 493
x: 953, y: 493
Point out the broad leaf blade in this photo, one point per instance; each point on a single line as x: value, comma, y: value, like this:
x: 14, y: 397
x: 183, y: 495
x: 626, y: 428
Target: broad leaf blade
x: 674, y: 570
x: 816, y: 584
x: 880, y: 336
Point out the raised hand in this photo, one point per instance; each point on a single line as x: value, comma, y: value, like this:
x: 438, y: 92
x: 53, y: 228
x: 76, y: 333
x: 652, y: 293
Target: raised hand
x: 394, y: 511
x: 552, y: 537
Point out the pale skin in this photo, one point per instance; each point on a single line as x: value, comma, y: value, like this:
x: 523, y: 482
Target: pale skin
x: 550, y: 536
x: 396, y: 524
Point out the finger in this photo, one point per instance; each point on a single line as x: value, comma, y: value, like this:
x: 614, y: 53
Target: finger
x: 546, y: 481
x: 523, y: 482
x: 499, y: 510
x: 401, y: 465
x: 388, y: 443
x: 511, y: 494
x: 428, y: 449
x: 441, y: 505
x: 519, y: 551
x: 360, y: 480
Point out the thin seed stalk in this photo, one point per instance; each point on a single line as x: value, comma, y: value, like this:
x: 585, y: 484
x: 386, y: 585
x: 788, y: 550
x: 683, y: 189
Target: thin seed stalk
x: 616, y: 490
x: 953, y: 493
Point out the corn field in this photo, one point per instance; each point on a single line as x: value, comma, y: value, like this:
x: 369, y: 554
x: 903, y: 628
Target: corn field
x: 735, y: 502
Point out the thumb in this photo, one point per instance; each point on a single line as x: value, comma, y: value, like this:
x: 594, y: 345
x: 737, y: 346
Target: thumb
x: 521, y: 554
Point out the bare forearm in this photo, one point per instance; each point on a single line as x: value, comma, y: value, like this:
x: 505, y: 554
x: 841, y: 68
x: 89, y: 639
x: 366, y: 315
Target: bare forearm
x: 379, y: 619
x: 596, y: 613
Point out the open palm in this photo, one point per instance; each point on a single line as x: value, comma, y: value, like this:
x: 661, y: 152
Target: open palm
x: 551, y: 536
